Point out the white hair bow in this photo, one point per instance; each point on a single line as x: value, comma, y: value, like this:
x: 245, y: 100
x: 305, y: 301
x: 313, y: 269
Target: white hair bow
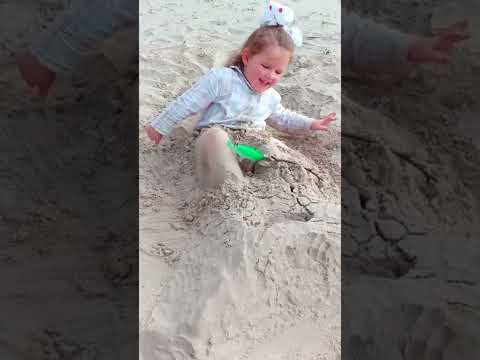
x: 277, y: 14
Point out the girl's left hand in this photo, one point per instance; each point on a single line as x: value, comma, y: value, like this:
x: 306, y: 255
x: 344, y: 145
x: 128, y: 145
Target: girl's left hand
x: 322, y: 124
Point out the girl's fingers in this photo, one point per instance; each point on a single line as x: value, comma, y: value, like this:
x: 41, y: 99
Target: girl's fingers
x: 451, y: 35
x: 460, y: 26
x: 455, y: 37
x: 328, y: 119
x: 152, y: 134
x: 320, y: 127
x: 448, y: 41
x: 439, y: 58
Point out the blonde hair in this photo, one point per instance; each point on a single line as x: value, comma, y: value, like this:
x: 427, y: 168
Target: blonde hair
x: 261, y: 38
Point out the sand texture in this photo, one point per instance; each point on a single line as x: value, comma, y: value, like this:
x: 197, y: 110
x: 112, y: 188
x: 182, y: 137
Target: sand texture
x: 249, y: 270
x: 410, y: 199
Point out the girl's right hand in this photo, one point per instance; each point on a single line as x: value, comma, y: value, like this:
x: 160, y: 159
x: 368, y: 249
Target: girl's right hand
x: 436, y: 50
x: 153, y: 134
x: 38, y: 76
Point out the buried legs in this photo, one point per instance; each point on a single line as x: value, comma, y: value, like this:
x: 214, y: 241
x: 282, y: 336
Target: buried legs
x: 214, y: 162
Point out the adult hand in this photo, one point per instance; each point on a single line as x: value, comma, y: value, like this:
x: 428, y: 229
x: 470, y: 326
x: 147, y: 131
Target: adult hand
x: 435, y: 50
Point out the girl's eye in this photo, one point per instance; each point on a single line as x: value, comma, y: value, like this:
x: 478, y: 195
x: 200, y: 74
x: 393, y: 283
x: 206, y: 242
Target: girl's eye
x: 278, y: 72
x: 265, y: 66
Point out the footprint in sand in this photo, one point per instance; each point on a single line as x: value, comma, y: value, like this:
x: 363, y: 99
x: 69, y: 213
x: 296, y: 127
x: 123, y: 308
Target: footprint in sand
x: 154, y: 346
x: 428, y: 337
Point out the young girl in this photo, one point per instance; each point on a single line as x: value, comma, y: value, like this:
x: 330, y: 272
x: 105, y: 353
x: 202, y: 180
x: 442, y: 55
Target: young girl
x: 238, y: 96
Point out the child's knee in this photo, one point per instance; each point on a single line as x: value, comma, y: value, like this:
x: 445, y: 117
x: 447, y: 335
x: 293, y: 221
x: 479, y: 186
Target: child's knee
x: 217, y: 135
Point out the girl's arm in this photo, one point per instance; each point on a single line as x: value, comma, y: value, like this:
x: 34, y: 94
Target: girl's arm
x: 210, y: 87
x: 289, y: 121
x: 366, y: 44
x: 369, y: 45
x: 80, y: 31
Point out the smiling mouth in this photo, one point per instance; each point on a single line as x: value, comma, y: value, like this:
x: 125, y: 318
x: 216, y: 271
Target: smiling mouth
x: 263, y: 82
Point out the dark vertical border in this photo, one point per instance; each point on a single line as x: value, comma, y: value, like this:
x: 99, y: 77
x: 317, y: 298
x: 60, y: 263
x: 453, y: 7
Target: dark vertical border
x: 69, y: 200
x: 409, y: 190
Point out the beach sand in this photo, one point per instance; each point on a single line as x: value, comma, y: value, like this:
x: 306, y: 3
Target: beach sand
x: 248, y: 271
x: 252, y: 271
x: 67, y: 268
x: 410, y: 199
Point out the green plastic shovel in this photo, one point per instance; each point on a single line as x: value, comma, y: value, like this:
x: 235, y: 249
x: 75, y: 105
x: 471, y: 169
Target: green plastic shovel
x: 246, y: 151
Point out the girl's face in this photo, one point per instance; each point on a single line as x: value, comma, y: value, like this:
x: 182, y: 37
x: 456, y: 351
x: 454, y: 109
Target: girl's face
x: 265, y: 69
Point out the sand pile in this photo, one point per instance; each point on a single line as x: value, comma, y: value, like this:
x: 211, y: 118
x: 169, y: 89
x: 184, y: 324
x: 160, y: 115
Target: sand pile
x: 410, y: 191
x: 249, y: 264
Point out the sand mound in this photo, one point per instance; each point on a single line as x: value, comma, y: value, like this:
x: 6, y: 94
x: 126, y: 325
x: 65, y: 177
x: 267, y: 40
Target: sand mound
x: 411, y: 201
x: 258, y: 261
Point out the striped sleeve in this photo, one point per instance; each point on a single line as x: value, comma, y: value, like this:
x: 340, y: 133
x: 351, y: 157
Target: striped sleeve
x: 78, y: 32
x: 287, y: 120
x: 367, y: 44
x: 204, y: 92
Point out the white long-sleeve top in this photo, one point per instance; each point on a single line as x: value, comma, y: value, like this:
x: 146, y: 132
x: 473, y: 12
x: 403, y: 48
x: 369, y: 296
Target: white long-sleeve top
x: 367, y: 44
x: 79, y: 31
x: 226, y: 98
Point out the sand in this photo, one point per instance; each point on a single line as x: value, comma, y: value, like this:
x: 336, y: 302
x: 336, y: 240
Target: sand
x: 63, y: 269
x: 249, y: 270
x: 410, y: 203
x: 269, y: 287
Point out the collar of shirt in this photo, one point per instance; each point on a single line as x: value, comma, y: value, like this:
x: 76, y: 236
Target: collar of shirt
x: 242, y: 76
